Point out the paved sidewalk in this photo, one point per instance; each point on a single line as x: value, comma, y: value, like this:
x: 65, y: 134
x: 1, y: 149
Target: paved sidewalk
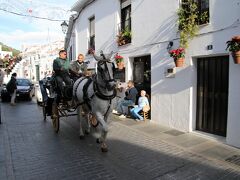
x: 30, y: 149
x: 211, y: 147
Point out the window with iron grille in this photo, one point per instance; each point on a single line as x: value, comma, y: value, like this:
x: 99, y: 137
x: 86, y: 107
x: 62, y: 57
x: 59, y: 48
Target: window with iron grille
x: 91, y: 44
x: 202, y: 10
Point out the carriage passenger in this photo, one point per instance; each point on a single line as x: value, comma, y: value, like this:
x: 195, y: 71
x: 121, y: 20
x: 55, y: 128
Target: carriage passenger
x: 78, y: 68
x: 61, y: 67
x: 142, y: 101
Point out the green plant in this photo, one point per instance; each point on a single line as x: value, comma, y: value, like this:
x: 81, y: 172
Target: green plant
x: 234, y: 44
x: 127, y: 33
x: 124, y: 37
x: 118, y: 58
x: 188, y: 20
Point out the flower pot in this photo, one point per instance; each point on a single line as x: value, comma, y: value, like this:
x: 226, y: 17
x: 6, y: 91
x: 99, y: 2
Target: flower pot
x: 236, y: 57
x: 179, y: 62
x: 120, y: 65
x: 236, y: 38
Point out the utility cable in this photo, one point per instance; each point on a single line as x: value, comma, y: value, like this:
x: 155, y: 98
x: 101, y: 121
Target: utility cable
x: 36, y: 17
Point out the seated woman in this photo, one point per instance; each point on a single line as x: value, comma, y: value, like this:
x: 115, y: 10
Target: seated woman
x: 142, y: 101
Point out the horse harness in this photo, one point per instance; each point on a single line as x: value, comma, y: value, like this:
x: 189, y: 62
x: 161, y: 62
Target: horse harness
x: 96, y: 91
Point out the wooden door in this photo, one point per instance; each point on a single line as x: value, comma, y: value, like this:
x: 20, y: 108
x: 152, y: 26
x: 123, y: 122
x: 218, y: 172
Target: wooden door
x: 212, y: 94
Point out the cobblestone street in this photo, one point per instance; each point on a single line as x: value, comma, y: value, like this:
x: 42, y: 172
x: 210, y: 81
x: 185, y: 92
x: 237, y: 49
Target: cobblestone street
x: 30, y: 149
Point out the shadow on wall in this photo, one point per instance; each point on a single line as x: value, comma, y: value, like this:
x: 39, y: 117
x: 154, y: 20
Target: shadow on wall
x: 110, y: 44
x: 161, y: 34
x: 165, y: 32
x: 161, y: 84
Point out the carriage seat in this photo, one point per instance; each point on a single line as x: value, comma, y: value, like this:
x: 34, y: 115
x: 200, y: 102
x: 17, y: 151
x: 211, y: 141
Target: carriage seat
x: 67, y: 90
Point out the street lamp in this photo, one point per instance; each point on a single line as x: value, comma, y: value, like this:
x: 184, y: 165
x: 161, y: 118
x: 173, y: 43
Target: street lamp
x: 64, y: 26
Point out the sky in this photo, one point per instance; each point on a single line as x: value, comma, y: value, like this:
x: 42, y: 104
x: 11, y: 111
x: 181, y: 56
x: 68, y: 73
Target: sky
x: 16, y: 31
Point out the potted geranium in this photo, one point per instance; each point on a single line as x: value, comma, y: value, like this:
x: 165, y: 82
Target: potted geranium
x: 234, y: 47
x: 119, y: 60
x: 178, y: 56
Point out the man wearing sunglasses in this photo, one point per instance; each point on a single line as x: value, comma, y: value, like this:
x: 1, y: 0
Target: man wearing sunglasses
x: 61, y: 67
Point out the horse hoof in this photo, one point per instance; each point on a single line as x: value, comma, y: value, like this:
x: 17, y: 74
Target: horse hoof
x: 81, y: 137
x: 87, y: 132
x: 105, y: 149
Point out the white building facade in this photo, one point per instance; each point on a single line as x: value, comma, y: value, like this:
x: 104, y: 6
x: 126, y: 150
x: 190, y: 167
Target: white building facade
x: 37, y: 60
x: 203, y: 95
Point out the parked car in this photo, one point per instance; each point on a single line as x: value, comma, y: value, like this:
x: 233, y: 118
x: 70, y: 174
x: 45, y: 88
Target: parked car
x: 25, y: 90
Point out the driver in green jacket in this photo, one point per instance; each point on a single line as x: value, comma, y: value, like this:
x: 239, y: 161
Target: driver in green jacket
x: 61, y: 67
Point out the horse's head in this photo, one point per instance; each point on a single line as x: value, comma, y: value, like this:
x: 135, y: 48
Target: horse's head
x: 105, y: 70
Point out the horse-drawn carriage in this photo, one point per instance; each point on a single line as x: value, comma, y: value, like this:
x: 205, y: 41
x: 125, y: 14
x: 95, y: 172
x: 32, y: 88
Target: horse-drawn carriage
x: 89, y: 95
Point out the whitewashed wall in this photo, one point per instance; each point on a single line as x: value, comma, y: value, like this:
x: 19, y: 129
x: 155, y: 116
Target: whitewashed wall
x: 153, y: 26
x: 220, y: 30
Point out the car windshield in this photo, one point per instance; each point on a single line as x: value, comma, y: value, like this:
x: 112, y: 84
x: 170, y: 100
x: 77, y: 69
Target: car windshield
x: 23, y: 82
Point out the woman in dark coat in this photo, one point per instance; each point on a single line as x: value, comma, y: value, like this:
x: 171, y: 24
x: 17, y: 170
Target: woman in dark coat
x: 12, y: 88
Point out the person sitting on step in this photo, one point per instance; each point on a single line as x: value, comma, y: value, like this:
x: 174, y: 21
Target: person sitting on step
x: 142, y: 101
x: 130, y: 99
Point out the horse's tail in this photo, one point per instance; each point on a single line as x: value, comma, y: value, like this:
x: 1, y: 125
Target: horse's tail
x: 83, y: 90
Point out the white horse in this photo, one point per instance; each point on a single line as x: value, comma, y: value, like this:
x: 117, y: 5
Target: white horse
x: 94, y: 96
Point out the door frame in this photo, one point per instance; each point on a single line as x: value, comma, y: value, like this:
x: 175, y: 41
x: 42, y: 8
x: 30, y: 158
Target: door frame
x: 193, y: 95
x: 129, y: 65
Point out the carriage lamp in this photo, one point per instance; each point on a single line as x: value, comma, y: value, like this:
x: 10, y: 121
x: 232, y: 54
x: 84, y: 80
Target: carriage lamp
x: 64, y: 26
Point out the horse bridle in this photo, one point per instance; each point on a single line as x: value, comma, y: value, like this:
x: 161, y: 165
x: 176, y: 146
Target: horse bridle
x: 106, y: 82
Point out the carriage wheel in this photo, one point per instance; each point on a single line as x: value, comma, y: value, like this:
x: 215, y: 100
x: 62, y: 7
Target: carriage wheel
x: 55, y: 117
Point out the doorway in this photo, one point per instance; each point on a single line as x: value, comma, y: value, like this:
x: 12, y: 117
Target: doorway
x: 142, y: 76
x: 212, y: 94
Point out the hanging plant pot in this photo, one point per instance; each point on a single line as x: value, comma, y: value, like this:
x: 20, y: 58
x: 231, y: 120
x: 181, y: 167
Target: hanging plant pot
x: 120, y: 65
x: 236, y: 57
x: 179, y: 62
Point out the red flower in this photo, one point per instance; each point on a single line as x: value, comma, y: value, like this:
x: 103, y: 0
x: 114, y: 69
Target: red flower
x: 177, y: 53
x: 118, y: 58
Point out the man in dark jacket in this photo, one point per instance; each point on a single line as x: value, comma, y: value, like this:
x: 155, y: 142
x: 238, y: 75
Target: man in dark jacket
x: 61, y: 67
x: 130, y: 99
x: 12, y: 88
x: 79, y: 67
